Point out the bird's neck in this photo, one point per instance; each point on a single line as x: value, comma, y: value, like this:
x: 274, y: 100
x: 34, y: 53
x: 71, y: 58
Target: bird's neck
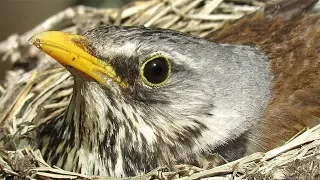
x: 240, y: 81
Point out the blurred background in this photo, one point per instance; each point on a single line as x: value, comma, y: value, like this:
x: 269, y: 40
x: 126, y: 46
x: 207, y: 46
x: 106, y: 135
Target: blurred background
x: 18, y: 16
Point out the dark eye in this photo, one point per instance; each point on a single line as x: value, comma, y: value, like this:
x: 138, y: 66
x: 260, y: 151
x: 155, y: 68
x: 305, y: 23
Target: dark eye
x: 155, y: 71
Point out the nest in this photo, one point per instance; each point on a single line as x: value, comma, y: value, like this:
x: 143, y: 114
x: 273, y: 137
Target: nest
x: 42, y: 90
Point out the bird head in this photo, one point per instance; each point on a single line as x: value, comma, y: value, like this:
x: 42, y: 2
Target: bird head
x: 160, y: 88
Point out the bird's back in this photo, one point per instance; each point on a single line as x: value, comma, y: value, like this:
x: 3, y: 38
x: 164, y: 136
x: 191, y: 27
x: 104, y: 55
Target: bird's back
x: 288, y: 32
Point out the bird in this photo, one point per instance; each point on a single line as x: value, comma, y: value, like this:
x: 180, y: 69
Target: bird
x: 149, y: 97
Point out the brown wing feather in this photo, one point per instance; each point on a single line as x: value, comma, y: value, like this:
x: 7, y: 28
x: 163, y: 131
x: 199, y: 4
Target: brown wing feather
x: 290, y: 36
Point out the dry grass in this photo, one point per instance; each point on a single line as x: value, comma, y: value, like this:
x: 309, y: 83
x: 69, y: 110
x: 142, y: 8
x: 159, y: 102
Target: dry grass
x: 31, y: 96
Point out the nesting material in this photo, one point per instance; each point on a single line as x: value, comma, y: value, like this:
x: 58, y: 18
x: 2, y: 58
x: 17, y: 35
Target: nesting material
x: 41, y: 90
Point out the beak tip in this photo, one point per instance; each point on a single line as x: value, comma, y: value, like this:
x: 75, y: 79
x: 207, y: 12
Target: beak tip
x: 36, y: 40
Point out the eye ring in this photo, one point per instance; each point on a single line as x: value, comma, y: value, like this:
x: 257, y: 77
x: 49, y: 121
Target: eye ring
x: 155, y: 71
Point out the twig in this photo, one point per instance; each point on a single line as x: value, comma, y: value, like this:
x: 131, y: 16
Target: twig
x: 216, y: 17
x: 2, y: 90
x: 210, y: 7
x: 180, y: 13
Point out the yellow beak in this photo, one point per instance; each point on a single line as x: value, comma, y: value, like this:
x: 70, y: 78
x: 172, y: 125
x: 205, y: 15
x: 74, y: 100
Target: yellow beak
x: 69, y: 50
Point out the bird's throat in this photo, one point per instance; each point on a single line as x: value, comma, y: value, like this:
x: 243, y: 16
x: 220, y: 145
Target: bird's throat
x: 99, y: 135
x: 84, y: 140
